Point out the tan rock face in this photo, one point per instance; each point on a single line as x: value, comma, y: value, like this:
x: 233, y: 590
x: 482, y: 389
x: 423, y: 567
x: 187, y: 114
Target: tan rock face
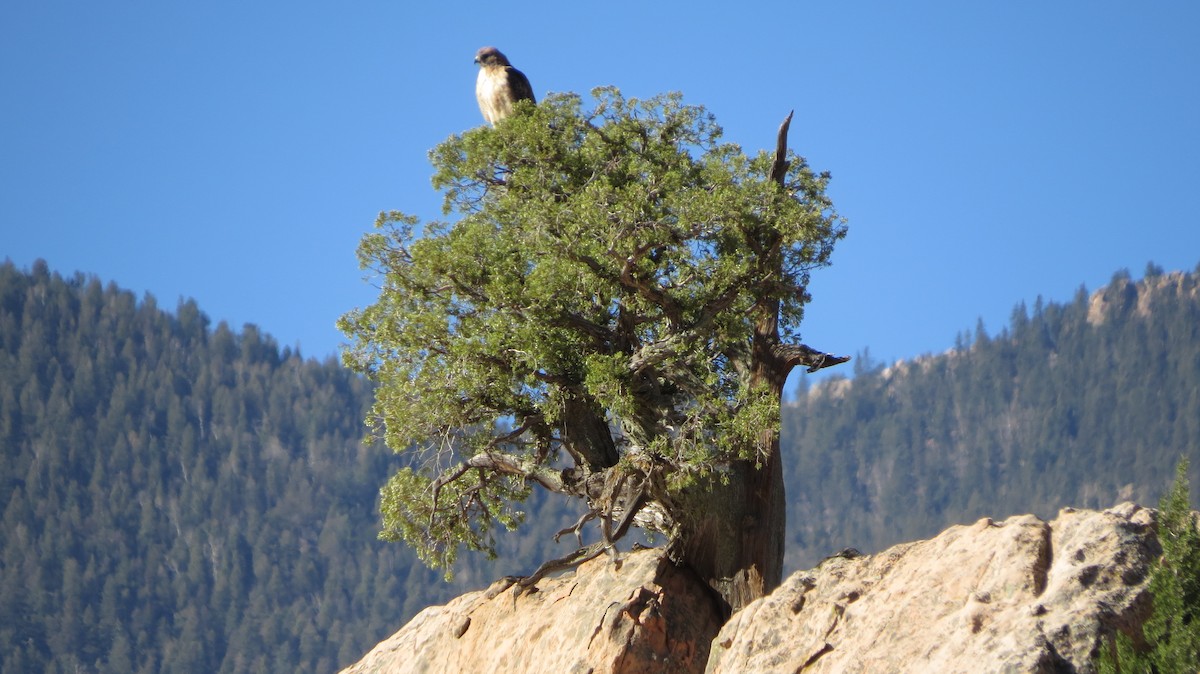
x: 642, y: 616
x: 1021, y: 595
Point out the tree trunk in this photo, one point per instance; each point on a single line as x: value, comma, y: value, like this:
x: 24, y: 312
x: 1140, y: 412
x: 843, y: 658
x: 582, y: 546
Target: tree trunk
x: 585, y: 433
x: 731, y: 528
x: 736, y: 543
x: 735, y: 537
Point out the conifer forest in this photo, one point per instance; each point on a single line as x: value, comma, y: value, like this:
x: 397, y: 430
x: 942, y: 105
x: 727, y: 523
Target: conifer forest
x: 183, y: 496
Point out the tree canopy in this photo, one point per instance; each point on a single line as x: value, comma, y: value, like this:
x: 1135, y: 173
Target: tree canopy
x: 609, y: 312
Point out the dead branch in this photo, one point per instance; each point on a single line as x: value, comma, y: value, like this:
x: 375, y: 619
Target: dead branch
x: 580, y: 556
x: 577, y: 527
x: 779, y: 167
x: 792, y: 355
x: 507, y: 464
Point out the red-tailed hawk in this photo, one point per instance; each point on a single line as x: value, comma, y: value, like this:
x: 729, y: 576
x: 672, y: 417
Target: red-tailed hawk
x: 499, y: 85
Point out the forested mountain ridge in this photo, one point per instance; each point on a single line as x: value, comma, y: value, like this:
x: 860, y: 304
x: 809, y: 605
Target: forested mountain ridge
x: 182, y: 498
x: 1082, y: 404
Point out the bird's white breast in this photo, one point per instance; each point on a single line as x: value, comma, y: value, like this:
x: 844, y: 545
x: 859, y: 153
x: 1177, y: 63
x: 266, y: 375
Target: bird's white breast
x: 491, y: 88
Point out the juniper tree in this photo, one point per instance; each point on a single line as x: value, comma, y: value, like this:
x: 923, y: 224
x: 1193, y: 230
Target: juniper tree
x: 609, y: 311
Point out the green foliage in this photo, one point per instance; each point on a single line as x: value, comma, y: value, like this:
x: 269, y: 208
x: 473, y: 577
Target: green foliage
x: 1172, y: 632
x: 606, y: 261
x: 411, y: 516
x: 1174, y: 629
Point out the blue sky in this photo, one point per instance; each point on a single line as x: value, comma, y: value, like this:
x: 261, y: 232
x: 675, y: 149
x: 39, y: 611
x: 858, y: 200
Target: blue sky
x: 984, y: 153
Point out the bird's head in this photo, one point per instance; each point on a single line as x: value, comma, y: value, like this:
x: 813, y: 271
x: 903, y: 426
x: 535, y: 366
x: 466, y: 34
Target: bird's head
x: 490, y: 56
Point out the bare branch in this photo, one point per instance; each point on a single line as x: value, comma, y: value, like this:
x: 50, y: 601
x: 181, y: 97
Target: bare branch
x: 577, y: 527
x: 513, y: 435
x: 591, y: 263
x: 792, y: 355
x: 664, y: 301
x: 570, y: 561
x: 779, y: 167
x: 632, y: 508
x: 656, y: 352
x: 507, y: 464
x: 610, y: 500
x: 442, y: 481
x: 601, y: 334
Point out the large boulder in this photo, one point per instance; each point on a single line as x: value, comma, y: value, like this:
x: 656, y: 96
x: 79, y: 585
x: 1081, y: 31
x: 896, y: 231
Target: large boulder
x: 640, y: 615
x: 1022, y: 595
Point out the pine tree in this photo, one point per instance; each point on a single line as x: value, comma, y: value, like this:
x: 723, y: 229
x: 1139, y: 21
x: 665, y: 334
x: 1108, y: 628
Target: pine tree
x: 1172, y: 633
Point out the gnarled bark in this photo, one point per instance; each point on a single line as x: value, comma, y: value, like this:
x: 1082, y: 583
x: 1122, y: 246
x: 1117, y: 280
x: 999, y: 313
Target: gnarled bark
x: 585, y: 433
x: 735, y: 538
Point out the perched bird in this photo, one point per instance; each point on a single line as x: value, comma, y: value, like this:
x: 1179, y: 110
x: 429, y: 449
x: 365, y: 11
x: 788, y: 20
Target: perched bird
x: 499, y: 85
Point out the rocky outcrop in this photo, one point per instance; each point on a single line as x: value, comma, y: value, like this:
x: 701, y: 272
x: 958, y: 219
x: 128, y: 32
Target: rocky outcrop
x: 1123, y: 296
x: 642, y: 615
x: 1021, y: 595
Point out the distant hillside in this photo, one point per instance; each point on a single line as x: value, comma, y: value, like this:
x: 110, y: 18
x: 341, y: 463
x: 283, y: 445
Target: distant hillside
x: 1079, y: 404
x: 182, y: 498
